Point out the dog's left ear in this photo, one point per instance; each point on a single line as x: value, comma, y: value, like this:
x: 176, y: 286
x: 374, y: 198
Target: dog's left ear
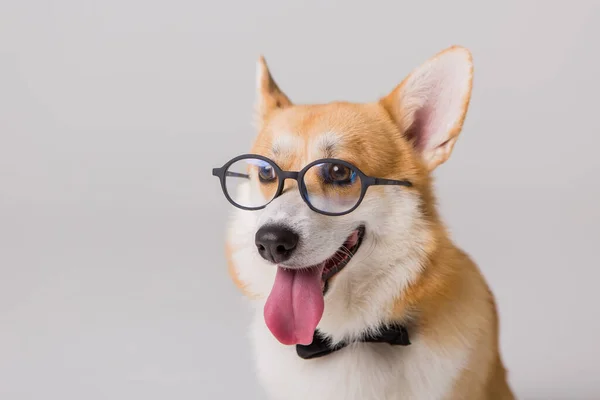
x: 268, y: 95
x: 430, y: 105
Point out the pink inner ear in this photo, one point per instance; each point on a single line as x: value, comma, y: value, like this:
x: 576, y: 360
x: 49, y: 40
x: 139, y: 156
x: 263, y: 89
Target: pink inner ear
x: 418, y: 133
x: 436, y: 95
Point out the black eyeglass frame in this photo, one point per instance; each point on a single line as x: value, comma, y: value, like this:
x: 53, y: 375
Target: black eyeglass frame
x: 365, y: 181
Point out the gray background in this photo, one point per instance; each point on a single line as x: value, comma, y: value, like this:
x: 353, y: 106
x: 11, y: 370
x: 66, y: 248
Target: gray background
x: 113, y: 283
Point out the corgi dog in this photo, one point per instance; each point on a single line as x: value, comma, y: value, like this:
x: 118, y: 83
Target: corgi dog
x: 356, y: 288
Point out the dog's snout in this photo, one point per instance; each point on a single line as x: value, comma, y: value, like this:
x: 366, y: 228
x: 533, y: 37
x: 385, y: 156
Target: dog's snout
x: 276, y: 243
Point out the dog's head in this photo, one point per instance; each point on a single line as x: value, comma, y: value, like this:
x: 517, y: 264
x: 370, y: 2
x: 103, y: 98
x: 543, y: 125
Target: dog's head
x: 335, y: 214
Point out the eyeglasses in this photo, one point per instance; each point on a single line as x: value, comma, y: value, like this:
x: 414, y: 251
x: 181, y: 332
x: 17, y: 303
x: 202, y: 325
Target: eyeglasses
x: 328, y: 186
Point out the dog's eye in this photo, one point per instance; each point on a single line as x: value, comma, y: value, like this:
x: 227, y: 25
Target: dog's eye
x: 339, y: 174
x: 266, y: 173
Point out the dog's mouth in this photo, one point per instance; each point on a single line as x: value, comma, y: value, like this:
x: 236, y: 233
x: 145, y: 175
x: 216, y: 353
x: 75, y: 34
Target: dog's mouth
x: 296, y: 303
x: 334, y: 264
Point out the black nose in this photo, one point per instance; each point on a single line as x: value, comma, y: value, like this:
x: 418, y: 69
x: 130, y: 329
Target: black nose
x: 276, y: 243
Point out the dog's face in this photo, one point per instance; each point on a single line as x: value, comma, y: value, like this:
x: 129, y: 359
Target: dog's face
x: 343, y: 273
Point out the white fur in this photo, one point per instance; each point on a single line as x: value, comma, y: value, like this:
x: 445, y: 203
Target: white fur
x: 286, y: 144
x: 318, y: 148
x: 359, y: 372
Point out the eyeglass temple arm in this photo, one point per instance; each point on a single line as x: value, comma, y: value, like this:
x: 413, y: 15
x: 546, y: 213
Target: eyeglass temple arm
x: 382, y: 181
x: 217, y: 171
x: 237, y: 175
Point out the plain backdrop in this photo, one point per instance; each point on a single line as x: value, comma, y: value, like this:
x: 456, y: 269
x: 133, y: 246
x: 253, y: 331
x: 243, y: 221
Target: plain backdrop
x: 113, y: 282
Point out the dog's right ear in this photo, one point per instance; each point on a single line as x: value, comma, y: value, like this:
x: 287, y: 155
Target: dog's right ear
x: 430, y: 105
x: 268, y: 95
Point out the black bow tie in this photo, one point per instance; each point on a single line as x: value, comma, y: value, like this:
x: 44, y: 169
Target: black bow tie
x: 396, y: 335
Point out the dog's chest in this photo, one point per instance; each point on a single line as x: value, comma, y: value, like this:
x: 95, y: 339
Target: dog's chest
x: 362, y: 371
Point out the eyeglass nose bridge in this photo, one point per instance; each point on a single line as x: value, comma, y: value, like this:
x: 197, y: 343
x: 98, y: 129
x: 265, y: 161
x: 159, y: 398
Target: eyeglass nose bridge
x: 284, y: 175
x: 290, y: 175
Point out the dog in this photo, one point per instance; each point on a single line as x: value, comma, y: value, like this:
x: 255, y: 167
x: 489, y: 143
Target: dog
x: 356, y: 287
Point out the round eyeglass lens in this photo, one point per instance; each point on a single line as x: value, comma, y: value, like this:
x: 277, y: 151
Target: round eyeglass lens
x: 251, y: 182
x: 331, y: 187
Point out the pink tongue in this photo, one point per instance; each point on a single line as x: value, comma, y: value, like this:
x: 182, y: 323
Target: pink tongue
x: 295, y: 305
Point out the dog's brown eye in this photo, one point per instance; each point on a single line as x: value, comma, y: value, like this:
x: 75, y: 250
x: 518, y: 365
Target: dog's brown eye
x: 266, y: 173
x: 340, y: 174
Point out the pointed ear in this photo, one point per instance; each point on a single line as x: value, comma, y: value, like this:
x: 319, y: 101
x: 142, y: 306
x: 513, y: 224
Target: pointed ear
x: 430, y: 105
x: 268, y: 95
